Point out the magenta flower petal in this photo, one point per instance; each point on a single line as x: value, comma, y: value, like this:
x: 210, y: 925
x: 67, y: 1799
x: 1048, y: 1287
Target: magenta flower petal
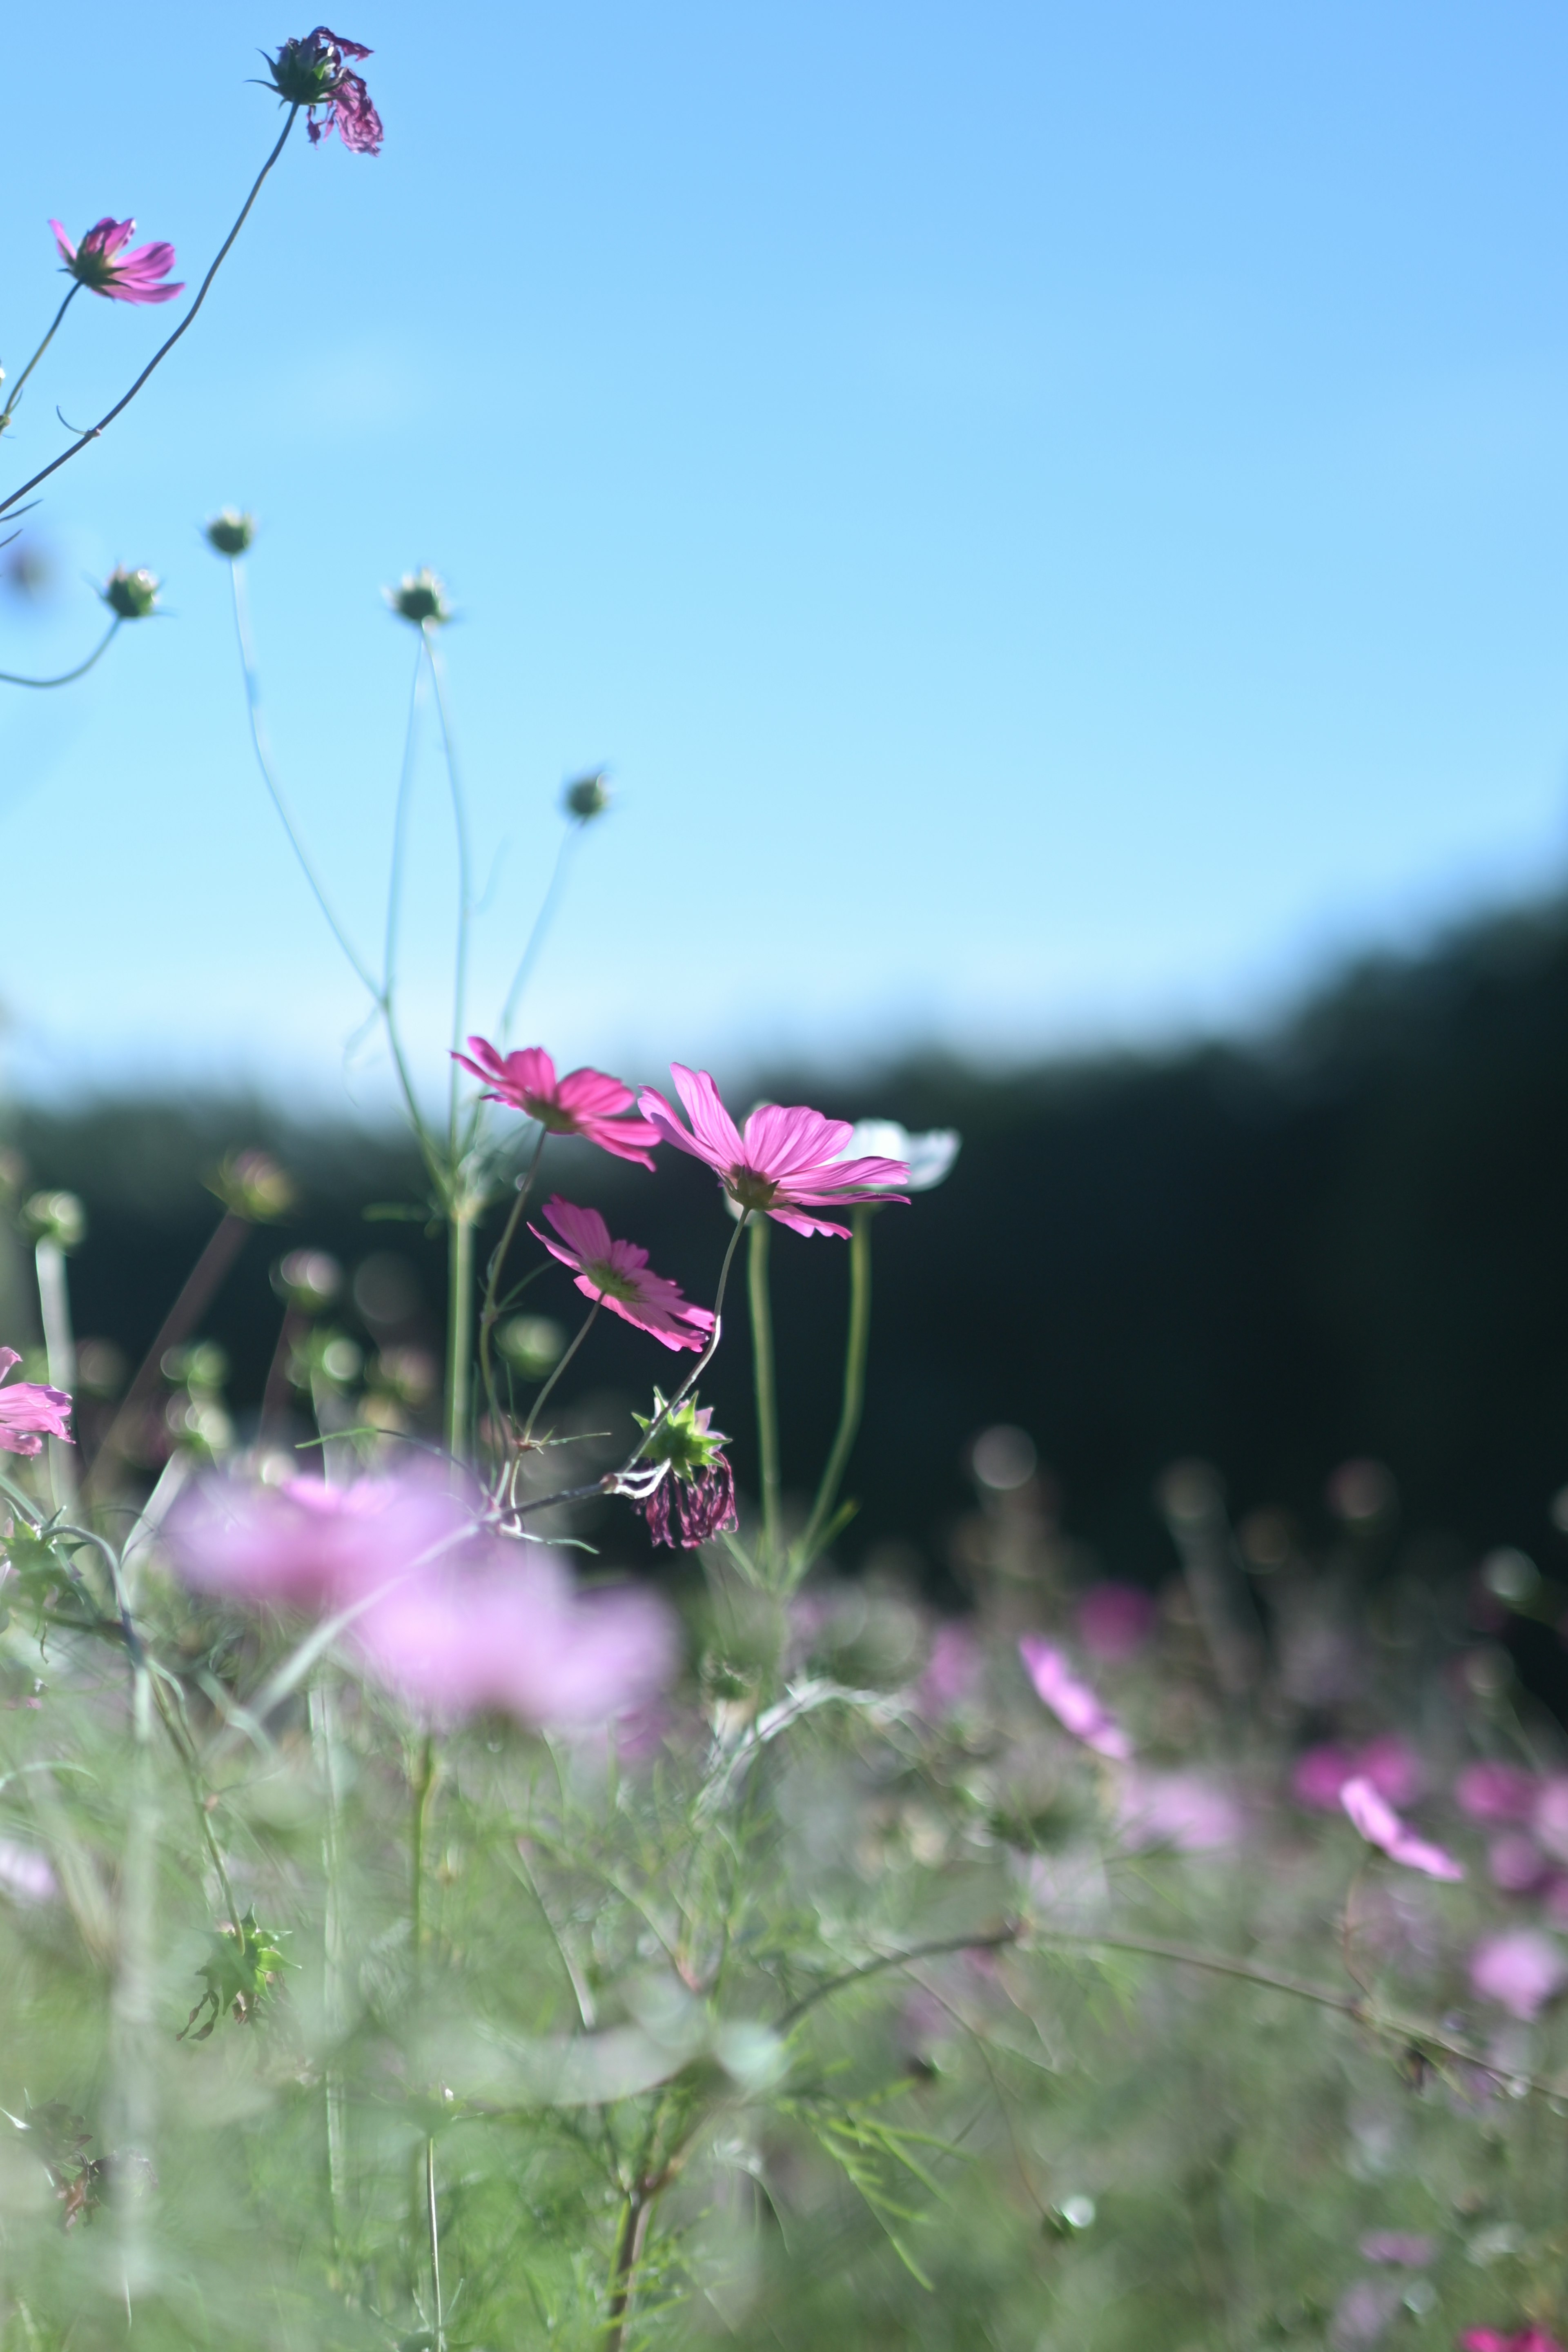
x: 584, y: 1102
x: 1381, y: 1826
x: 30, y: 1412
x: 1073, y: 1704
x: 615, y: 1275
x: 98, y: 264
x: 782, y: 1166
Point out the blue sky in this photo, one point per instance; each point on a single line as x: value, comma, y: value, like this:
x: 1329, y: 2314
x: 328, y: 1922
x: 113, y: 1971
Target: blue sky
x: 1055, y: 518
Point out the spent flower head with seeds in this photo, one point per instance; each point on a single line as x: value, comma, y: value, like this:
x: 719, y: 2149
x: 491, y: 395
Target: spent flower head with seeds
x: 313, y: 72
x: 420, y: 598
x: 688, y: 1488
x: 229, y: 531
x: 588, y: 1103
x: 131, y: 595
x: 786, y: 1162
x: 101, y: 264
x: 615, y: 1274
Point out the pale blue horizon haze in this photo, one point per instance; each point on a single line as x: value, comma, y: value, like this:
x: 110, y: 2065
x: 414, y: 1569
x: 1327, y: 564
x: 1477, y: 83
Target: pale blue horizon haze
x: 1055, y: 519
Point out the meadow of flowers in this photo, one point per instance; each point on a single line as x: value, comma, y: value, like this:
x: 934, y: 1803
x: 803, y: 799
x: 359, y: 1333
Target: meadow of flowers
x: 418, y: 1930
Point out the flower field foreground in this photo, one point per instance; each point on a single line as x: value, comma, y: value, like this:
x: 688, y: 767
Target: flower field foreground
x: 421, y: 1930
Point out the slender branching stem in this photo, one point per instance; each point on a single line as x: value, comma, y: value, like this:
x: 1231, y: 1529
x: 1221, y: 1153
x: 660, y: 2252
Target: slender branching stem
x: 766, y: 1386
x: 223, y: 1247
x: 542, y: 922
x: 323, y: 1744
x: 459, y: 1324
x: 16, y: 392
x: 540, y: 1400
x: 464, y: 875
x: 854, y: 1401
x: 68, y: 676
x: 162, y: 353
x: 489, y: 1309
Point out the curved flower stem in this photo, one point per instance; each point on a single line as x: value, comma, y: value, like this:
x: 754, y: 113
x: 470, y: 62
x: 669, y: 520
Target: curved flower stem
x: 490, y: 1310
x: 9, y: 678
x: 853, y: 1386
x: 222, y: 1246
x: 164, y: 348
x: 540, y: 926
x: 268, y: 775
x: 324, y: 1746
x: 459, y: 1324
x: 464, y: 877
x: 588, y: 1322
x: 766, y: 1386
x: 400, y: 835
x: 13, y: 395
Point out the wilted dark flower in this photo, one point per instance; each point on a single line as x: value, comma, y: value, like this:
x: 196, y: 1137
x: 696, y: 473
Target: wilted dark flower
x: 311, y: 72
x: 692, y: 1496
x: 131, y: 595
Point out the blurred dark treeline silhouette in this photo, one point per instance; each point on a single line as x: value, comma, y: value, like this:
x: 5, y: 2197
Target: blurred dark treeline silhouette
x: 1348, y: 1239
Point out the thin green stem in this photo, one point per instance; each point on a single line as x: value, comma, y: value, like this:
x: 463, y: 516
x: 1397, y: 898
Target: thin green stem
x: 323, y: 1744
x: 540, y: 926
x: 400, y: 833
x: 855, y: 1351
x: 11, y: 399
x: 489, y: 1309
x: 438, y: 2323
x: 767, y: 1388
x: 10, y: 678
x: 162, y: 353
x: 464, y: 877
x: 459, y: 1326
x: 539, y: 1400
x: 423, y: 1788
x: 269, y: 778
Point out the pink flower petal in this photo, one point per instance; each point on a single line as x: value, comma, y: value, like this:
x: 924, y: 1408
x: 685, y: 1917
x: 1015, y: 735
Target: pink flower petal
x: 1381, y: 1826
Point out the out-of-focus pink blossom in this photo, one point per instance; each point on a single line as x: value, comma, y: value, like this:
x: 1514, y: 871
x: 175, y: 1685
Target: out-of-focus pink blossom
x: 1554, y: 1899
x: 1516, y: 1864
x: 25, y: 1874
x: 1381, y: 1827
x: 1522, y: 1971
x: 1184, y: 1810
x: 1496, y: 1792
x: 1549, y: 1820
x: 507, y: 1631
x: 584, y: 1102
x: 306, y: 1544
x: 101, y: 265
x: 1115, y: 1621
x: 1073, y: 1704
x: 1366, y: 2311
x: 952, y: 1672
x: 1401, y: 2247
x: 783, y: 1165
x: 1320, y: 1773
x: 617, y: 1274
x: 29, y: 1412
x: 1496, y: 2339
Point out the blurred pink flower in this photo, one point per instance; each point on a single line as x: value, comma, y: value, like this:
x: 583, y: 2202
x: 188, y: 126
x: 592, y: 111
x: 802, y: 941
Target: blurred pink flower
x: 1366, y: 2311
x: 1401, y: 2247
x: 98, y: 264
x: 1516, y: 1863
x: 952, y: 1672
x: 29, y: 1412
x: 1320, y: 1773
x: 508, y: 1632
x: 1184, y: 1810
x: 25, y: 1874
x: 1520, y: 1970
x: 1496, y: 1792
x: 1549, y: 1820
x: 1381, y: 1827
x: 615, y: 1274
x: 1072, y: 1703
x: 1114, y: 1621
x: 1493, y: 2339
x: 783, y: 1165
x: 306, y: 1544
x: 584, y: 1102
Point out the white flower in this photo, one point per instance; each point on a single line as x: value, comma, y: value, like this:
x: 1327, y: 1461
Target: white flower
x: 927, y: 1157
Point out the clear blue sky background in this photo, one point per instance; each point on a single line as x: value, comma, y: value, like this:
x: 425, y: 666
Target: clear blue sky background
x: 1058, y: 516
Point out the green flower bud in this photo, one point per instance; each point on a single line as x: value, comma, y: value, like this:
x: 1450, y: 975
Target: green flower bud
x: 131, y: 595
x: 420, y: 598
x: 229, y: 532
x: 586, y: 797
x: 251, y: 1185
x: 57, y: 1217
x: 684, y: 1439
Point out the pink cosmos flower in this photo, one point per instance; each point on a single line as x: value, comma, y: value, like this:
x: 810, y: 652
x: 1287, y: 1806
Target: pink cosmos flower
x: 1522, y: 1971
x: 1320, y: 1773
x: 952, y: 1670
x: 584, y: 1102
x: 784, y: 1164
x: 615, y: 1275
x: 98, y: 264
x: 1381, y: 1826
x: 1401, y: 2247
x: 311, y: 73
x: 306, y: 1544
x: 1492, y: 2339
x: 1073, y: 1704
x: 506, y: 1629
x: 29, y: 1412
x: 1184, y: 1811
x: 1516, y: 1864
x: 1496, y: 1792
